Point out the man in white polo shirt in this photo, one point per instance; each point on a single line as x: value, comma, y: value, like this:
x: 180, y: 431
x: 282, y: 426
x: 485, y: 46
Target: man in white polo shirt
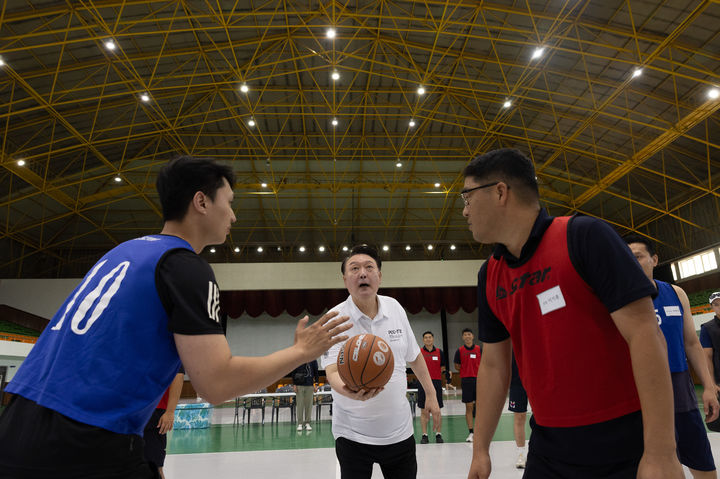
x: 375, y: 426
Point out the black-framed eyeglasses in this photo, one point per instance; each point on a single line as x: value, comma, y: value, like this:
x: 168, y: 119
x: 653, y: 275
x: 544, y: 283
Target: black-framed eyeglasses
x: 464, y: 193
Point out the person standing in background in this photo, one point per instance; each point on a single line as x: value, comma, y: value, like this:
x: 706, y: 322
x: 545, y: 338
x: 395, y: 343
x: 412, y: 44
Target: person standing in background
x: 437, y: 365
x: 517, y: 404
x: 467, y: 361
x: 161, y: 422
x: 710, y: 339
x: 305, y: 379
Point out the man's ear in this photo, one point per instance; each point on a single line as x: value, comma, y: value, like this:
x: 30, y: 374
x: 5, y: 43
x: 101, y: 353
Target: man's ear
x: 199, y: 202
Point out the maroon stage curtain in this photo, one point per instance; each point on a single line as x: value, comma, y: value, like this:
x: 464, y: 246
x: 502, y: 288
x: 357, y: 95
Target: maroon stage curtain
x: 316, y: 301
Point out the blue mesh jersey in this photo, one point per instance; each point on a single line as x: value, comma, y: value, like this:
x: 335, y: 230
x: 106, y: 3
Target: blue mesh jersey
x: 107, y: 356
x: 669, y: 312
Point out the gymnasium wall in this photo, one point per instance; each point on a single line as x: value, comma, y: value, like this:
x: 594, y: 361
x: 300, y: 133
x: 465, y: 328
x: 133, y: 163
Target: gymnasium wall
x: 258, y: 336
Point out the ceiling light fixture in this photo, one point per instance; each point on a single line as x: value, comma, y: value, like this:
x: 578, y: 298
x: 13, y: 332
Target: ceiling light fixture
x: 2, y: 62
x: 110, y: 45
x: 302, y: 249
x: 330, y: 33
x: 452, y: 247
x: 118, y: 179
x: 237, y: 249
x: 212, y: 250
x: 344, y: 248
x: 244, y: 88
x: 145, y: 97
x: 412, y: 123
x: 264, y: 185
x: 637, y: 72
x: 713, y: 93
x: 259, y: 249
x: 321, y: 249
x: 21, y: 162
x: 421, y: 90
x: 398, y: 164
x: 437, y: 185
x: 335, y: 76
x: 430, y: 247
x: 386, y: 247
x: 407, y: 248
x: 537, y: 53
x: 334, y: 122
x: 507, y: 104
x: 251, y: 123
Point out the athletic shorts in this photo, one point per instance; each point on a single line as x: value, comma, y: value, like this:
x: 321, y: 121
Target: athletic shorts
x: 468, y: 389
x: 38, y: 442
x: 693, y: 447
x: 397, y: 461
x: 438, y: 393
x: 518, y: 397
x: 155, y: 443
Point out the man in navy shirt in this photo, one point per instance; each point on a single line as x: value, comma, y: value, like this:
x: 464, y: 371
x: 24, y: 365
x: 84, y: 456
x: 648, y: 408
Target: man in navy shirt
x: 672, y: 309
x: 577, y: 308
x: 93, y: 379
x: 710, y: 339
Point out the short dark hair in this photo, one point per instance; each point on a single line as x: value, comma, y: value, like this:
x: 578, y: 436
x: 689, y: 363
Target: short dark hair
x: 179, y: 180
x: 467, y: 330
x: 362, y: 249
x: 509, y: 166
x: 428, y: 332
x: 634, y: 238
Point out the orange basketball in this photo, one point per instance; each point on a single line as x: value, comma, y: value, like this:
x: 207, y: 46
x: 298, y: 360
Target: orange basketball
x: 365, y: 362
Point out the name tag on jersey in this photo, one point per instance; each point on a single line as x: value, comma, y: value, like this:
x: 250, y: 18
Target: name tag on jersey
x: 551, y: 300
x: 473, y: 355
x: 672, y: 311
x: 435, y: 358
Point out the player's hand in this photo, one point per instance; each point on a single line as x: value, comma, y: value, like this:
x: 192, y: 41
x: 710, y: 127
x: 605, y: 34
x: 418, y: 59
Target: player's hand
x: 320, y: 336
x: 660, y: 466
x: 433, y: 408
x: 480, y: 466
x: 165, y: 423
x: 360, y: 395
x: 710, y: 404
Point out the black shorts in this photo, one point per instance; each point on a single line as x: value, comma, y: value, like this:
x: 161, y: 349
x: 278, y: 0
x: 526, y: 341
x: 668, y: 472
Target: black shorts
x: 693, y: 447
x: 38, y: 442
x: 468, y: 389
x: 155, y: 443
x: 438, y: 393
x: 610, y: 449
x: 397, y: 461
x: 518, y: 397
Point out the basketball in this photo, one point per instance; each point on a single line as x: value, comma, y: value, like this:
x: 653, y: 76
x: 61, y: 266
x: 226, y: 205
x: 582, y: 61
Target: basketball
x: 365, y: 362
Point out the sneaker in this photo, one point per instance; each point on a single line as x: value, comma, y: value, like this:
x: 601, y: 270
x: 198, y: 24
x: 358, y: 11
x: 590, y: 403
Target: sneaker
x: 299, y: 428
x: 438, y: 438
x: 520, y: 463
x: 424, y: 439
x: 308, y: 427
x: 469, y: 438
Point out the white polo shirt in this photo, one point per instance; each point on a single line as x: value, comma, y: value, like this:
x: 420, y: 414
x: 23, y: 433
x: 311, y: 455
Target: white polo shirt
x: 386, y: 418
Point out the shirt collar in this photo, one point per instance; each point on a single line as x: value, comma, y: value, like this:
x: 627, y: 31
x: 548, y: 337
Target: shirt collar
x: 542, y: 222
x: 356, y: 314
x: 429, y: 350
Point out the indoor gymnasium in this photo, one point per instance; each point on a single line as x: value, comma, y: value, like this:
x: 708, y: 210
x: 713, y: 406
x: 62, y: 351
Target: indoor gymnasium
x: 359, y: 239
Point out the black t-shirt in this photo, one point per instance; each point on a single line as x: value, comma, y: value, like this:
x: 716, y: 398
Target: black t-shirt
x: 188, y: 291
x: 599, y: 255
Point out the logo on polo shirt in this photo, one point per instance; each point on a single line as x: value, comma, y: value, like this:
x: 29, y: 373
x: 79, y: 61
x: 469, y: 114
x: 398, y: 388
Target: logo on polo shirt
x: 395, y: 334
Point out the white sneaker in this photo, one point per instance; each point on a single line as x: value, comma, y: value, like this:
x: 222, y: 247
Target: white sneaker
x: 469, y: 438
x: 520, y: 463
x: 308, y: 427
x: 299, y: 428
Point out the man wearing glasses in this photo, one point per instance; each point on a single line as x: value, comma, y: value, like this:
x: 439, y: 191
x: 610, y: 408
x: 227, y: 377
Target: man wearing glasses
x: 577, y: 308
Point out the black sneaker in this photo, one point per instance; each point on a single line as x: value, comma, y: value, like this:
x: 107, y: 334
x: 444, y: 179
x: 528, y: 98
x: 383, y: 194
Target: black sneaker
x: 438, y: 438
x: 424, y: 439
